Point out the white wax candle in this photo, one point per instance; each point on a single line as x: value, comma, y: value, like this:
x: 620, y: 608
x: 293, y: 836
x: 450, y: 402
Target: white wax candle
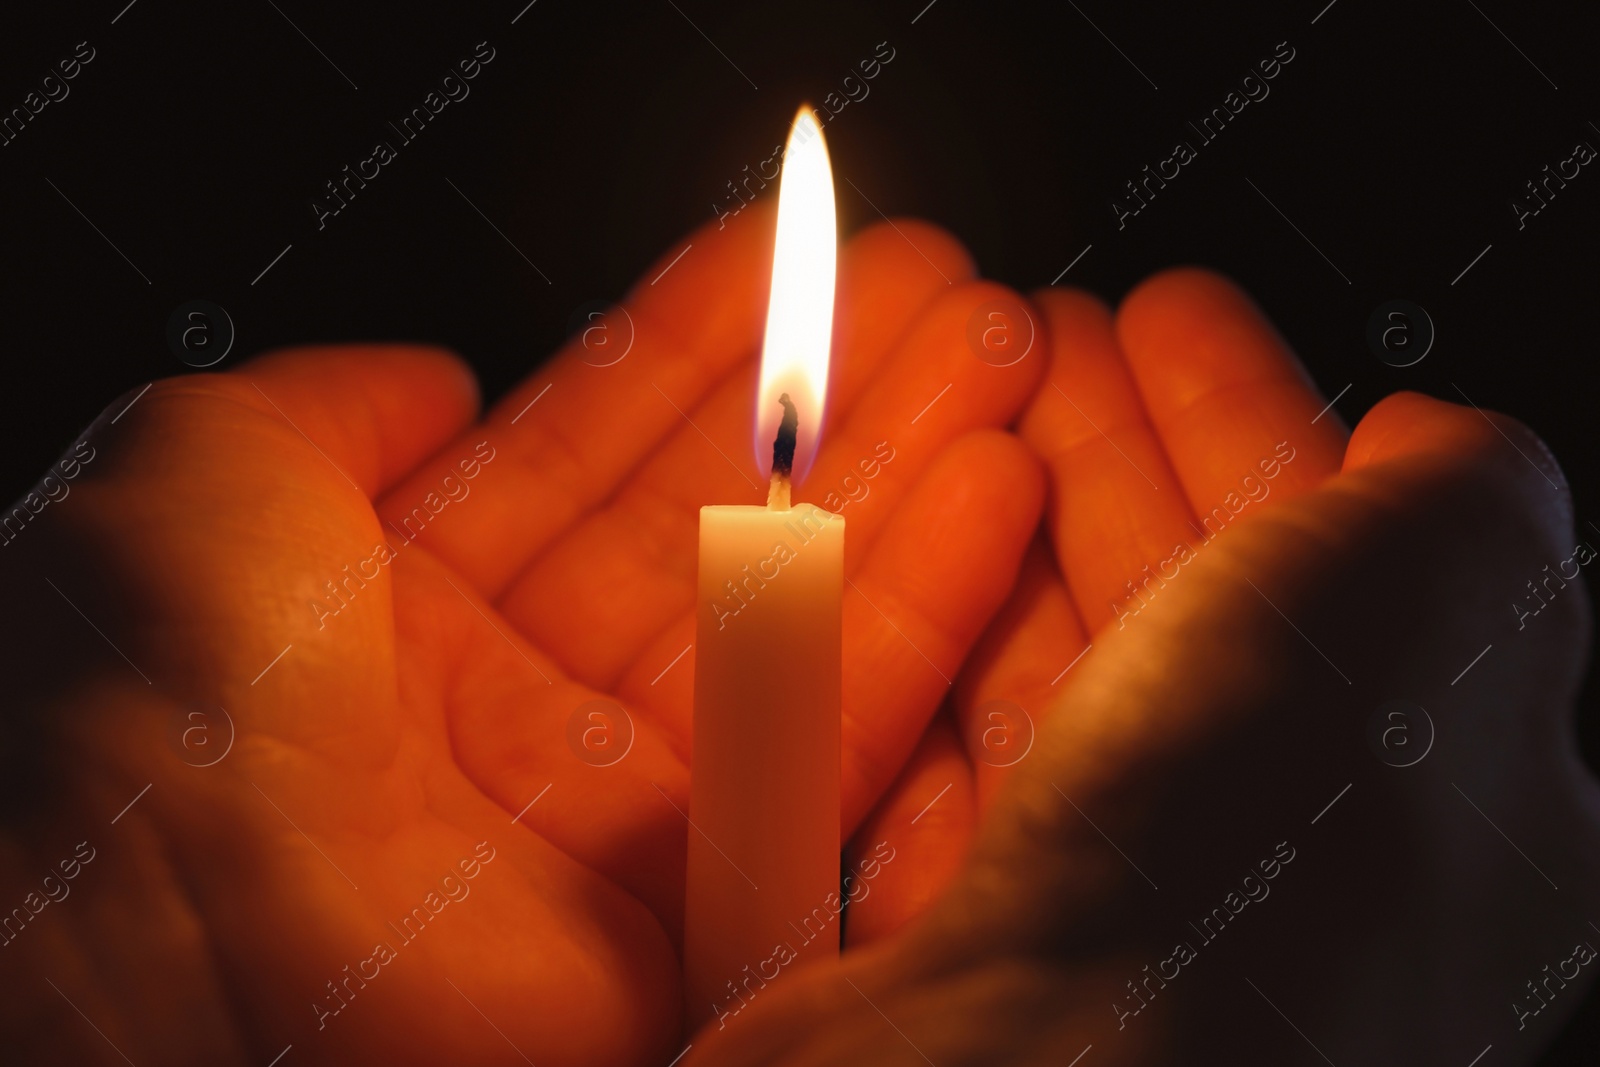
x: 763, y: 877
x: 763, y: 880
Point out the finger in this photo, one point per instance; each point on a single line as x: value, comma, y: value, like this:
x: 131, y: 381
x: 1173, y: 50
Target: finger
x: 938, y: 385
x: 911, y: 845
x: 1006, y: 691
x: 575, y: 768
x: 177, y: 479
x: 924, y: 594
x: 1236, y: 412
x: 373, y: 411
x: 887, y: 273
x: 573, y: 429
x: 1405, y: 424
x: 1418, y: 429
x: 1116, y: 509
x: 646, y: 537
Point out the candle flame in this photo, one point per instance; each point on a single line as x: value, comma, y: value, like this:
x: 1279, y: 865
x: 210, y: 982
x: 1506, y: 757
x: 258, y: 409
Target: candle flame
x: 794, y: 355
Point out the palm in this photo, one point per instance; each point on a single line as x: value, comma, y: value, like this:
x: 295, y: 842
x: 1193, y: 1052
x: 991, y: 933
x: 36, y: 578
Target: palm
x: 424, y: 706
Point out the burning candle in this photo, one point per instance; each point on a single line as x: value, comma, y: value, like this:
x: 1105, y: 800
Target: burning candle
x: 763, y: 872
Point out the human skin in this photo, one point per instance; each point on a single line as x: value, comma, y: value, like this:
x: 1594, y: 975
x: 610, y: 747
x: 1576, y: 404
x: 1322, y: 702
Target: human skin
x: 1221, y: 722
x: 375, y: 747
x: 418, y: 721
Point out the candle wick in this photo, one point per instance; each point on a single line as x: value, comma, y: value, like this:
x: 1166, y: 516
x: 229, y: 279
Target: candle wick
x: 783, y: 454
x: 778, y: 493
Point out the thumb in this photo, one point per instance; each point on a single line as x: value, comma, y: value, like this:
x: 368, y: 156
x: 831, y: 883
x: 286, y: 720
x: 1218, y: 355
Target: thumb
x: 209, y: 510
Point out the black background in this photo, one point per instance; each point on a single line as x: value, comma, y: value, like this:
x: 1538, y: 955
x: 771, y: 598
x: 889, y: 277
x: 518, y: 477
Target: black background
x: 198, y: 138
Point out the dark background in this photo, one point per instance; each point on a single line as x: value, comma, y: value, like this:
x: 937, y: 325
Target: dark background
x: 197, y: 139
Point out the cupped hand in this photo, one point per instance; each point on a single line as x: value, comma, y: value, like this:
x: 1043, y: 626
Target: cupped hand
x: 373, y: 718
x: 1313, y: 793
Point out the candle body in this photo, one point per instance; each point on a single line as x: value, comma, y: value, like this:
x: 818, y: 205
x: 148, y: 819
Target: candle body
x: 763, y: 870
